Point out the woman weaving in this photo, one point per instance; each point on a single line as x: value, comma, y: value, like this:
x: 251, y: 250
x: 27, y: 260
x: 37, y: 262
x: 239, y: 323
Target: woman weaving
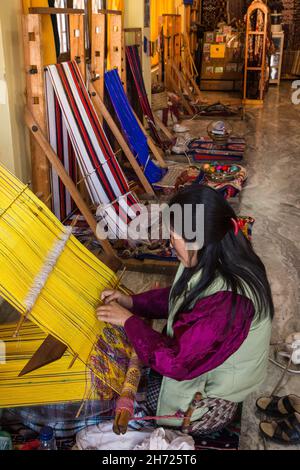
x: 214, y: 350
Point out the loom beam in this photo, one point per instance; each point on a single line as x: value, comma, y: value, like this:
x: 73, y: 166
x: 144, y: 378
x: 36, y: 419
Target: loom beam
x: 50, y: 351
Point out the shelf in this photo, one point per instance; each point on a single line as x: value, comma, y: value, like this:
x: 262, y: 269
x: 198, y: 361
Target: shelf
x: 257, y: 33
x: 259, y: 69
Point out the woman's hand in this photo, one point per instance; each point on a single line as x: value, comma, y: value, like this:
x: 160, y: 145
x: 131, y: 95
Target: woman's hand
x: 113, y: 313
x: 109, y: 296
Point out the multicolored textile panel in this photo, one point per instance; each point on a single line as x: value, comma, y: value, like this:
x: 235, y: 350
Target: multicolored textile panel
x: 72, y: 119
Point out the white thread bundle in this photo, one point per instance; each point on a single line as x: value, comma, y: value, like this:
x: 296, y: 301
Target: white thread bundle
x: 50, y: 262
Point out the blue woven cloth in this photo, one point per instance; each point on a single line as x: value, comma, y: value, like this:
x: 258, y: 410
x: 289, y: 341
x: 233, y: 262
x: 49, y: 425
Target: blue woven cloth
x: 132, y: 131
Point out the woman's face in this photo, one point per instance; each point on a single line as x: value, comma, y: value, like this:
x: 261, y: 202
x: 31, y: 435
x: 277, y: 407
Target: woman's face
x: 188, y: 258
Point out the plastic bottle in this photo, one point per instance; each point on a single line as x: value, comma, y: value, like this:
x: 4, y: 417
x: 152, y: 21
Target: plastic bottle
x: 47, y: 440
x: 5, y: 441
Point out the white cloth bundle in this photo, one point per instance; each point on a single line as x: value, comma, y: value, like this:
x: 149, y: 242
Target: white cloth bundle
x: 102, y: 437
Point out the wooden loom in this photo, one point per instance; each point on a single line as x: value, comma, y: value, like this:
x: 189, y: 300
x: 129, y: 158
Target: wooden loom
x: 42, y: 154
x: 96, y: 87
x: 39, y: 251
x: 133, y: 36
x: 180, y: 71
x: 107, y: 28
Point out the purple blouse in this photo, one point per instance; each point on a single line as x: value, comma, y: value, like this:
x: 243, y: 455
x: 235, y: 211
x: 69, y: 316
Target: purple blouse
x: 202, y: 339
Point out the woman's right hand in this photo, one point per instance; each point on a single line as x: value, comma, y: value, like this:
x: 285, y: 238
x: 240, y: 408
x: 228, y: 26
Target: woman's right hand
x: 109, y: 296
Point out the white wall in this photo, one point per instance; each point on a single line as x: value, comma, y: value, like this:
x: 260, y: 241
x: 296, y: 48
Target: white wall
x: 14, y: 152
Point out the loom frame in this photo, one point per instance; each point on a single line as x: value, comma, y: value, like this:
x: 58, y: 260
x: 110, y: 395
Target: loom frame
x: 36, y: 122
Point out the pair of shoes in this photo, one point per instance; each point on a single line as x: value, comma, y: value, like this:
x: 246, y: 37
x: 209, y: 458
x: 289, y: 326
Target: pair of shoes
x: 287, y: 410
x: 279, y: 407
x: 286, y: 431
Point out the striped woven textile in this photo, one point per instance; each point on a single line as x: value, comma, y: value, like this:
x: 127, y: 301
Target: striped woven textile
x: 74, y: 126
x: 133, y: 57
x: 134, y: 135
x: 62, y: 146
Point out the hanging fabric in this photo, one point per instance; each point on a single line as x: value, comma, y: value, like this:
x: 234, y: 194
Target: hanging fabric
x: 134, y: 134
x: 104, y: 178
x: 133, y: 57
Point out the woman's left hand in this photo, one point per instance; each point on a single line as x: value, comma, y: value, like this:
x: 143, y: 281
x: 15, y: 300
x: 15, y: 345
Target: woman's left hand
x: 113, y: 313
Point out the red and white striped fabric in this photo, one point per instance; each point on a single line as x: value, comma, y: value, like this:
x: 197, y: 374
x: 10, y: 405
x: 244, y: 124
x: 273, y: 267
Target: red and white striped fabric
x: 72, y: 119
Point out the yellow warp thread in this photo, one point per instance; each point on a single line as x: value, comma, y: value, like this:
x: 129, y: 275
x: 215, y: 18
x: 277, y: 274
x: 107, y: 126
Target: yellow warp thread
x: 53, y: 383
x: 66, y: 305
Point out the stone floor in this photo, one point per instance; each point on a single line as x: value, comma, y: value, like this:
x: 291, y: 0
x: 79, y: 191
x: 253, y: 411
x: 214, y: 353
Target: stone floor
x: 272, y: 197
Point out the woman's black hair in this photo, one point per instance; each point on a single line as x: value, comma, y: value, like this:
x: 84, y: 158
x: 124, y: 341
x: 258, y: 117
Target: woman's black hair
x: 223, y: 253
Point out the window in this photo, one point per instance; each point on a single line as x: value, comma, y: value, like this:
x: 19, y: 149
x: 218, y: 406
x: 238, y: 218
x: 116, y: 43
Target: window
x: 62, y: 25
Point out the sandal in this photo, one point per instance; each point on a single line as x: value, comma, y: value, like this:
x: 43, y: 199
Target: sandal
x: 286, y: 431
x: 279, y: 407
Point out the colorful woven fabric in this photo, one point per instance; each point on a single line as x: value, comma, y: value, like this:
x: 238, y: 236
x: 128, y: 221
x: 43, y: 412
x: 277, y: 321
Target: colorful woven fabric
x: 132, y: 131
x: 62, y: 204
x: 205, y: 149
x: 133, y: 57
x: 104, y: 178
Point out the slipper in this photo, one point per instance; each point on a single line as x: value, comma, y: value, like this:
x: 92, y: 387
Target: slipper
x: 279, y: 407
x: 286, y: 431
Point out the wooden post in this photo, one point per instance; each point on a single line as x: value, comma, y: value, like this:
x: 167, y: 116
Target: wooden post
x: 34, y: 69
x: 102, y: 111
x: 117, y: 45
x: 98, y: 33
x: 177, y: 40
x: 172, y: 45
x: 77, y: 42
